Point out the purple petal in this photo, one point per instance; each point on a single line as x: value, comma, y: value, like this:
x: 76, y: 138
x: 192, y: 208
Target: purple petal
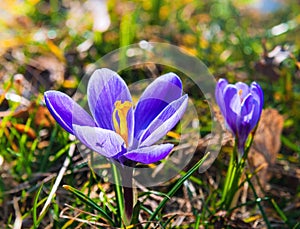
x: 105, y: 87
x: 164, y: 122
x: 219, y: 94
x: 250, y: 112
x: 66, y: 111
x: 243, y: 89
x: 232, y: 107
x: 235, y: 103
x: 105, y: 142
x: 151, y: 154
x: 155, y: 98
x: 247, y: 119
x: 258, y: 94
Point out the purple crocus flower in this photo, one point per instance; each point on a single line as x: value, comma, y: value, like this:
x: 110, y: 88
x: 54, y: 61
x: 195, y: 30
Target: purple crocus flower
x: 115, y: 129
x: 241, y: 107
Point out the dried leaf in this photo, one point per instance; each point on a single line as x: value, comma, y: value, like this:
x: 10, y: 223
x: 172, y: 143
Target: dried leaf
x: 56, y: 51
x: 266, y: 144
x: 44, y: 72
x: 267, y: 137
x: 43, y: 117
x: 21, y: 128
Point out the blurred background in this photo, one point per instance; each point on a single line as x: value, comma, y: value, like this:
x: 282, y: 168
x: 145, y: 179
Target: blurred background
x: 50, y: 44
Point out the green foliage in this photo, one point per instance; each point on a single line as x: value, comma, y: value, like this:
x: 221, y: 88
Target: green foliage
x: 230, y: 37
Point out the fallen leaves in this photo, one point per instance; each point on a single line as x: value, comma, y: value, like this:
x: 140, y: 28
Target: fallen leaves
x: 266, y: 144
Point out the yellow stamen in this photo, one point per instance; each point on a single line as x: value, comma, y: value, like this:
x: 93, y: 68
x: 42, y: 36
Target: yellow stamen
x: 240, y: 92
x: 121, y: 110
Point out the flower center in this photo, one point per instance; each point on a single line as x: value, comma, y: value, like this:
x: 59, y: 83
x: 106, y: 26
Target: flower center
x: 240, y: 92
x: 120, y: 118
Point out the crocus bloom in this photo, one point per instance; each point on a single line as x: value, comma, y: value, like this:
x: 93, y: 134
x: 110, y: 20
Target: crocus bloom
x: 241, y: 106
x: 115, y: 129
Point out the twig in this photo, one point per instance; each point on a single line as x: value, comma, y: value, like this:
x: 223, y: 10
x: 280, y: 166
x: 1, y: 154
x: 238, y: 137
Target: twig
x: 77, y: 219
x: 60, y: 175
x: 18, y: 221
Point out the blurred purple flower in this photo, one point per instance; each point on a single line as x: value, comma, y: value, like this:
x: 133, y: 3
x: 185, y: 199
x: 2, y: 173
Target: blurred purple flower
x: 115, y: 129
x: 241, y: 107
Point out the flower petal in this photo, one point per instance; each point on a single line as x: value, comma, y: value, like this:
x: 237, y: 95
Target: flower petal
x: 164, y: 122
x: 247, y: 119
x: 66, y: 111
x: 151, y: 154
x: 155, y: 98
x: 258, y: 94
x: 243, y: 89
x: 105, y: 87
x: 219, y: 94
x: 105, y: 142
x: 232, y: 107
x: 250, y: 112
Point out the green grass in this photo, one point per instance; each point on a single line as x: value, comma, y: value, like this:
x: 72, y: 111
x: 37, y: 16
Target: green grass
x: 227, y: 38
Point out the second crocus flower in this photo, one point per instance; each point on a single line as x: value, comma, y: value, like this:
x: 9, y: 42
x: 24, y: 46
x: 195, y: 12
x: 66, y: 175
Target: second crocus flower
x: 241, y: 106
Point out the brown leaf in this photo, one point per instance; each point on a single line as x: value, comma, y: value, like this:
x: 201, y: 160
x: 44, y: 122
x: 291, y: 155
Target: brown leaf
x: 43, y: 117
x: 266, y: 144
x: 21, y: 128
x: 267, y: 136
x: 45, y: 72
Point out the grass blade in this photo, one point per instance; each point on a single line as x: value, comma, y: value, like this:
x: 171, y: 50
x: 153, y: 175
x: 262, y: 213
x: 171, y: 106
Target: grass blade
x: 175, y: 188
x: 258, y: 203
x: 90, y: 202
x: 136, y: 212
x: 34, y: 209
x: 280, y: 213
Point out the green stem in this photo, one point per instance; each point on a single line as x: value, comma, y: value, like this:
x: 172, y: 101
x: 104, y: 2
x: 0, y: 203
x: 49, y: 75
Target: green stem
x: 235, y: 170
x: 230, y: 177
x: 231, y: 188
x: 127, y: 183
x: 118, y: 191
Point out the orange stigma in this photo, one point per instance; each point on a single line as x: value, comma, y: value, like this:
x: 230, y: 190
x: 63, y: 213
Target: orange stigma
x: 121, y: 111
x: 240, y: 92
